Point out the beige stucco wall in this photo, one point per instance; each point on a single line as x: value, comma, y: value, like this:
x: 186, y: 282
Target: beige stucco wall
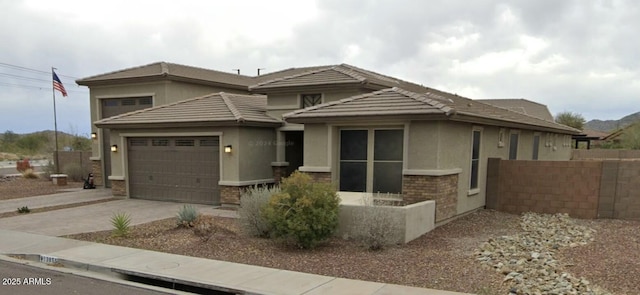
x: 162, y: 92
x: 257, y: 147
x: 282, y: 103
x: 316, y: 144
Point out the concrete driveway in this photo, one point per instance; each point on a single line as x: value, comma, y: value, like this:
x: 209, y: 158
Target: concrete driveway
x: 94, y: 217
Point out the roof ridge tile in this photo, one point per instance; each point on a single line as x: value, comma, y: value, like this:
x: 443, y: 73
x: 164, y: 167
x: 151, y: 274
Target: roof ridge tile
x: 232, y: 108
x: 314, y: 71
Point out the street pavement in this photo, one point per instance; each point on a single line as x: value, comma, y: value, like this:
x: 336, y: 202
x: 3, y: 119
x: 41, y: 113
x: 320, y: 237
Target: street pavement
x: 22, y: 279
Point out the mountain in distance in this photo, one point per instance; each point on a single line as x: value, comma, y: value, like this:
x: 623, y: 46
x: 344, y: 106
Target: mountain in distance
x: 611, y: 125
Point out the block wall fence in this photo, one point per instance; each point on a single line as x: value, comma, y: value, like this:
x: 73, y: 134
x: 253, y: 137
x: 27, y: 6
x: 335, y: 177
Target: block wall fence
x: 582, y: 188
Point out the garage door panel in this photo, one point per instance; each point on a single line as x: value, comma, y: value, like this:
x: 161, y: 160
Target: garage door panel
x: 175, y: 169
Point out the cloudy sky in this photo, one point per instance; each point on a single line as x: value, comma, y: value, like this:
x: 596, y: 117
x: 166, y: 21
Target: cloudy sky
x: 572, y: 55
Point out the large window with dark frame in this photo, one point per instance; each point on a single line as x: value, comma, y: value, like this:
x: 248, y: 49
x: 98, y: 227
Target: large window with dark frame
x: 309, y: 100
x: 371, y: 160
x: 475, y: 158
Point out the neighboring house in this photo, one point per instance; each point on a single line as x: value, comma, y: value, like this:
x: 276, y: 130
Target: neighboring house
x: 616, y: 137
x: 190, y: 134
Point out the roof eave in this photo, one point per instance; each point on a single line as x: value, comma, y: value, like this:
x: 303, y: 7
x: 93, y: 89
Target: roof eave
x: 186, y: 124
x: 470, y: 118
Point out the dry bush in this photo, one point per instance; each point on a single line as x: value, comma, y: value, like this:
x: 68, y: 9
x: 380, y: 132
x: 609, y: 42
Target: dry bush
x: 251, y: 203
x: 29, y: 174
x: 204, y: 227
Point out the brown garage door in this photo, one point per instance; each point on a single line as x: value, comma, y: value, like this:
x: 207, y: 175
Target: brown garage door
x: 184, y: 169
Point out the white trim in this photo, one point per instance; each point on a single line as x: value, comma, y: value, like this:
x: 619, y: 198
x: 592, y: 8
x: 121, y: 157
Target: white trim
x: 115, y: 177
x: 432, y: 172
x: 245, y: 182
x: 473, y: 192
x: 279, y: 164
x: 95, y: 158
x: 314, y: 169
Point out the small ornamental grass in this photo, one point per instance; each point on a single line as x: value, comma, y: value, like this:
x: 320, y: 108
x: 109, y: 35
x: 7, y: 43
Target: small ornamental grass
x: 121, y: 222
x: 252, y: 202
x: 375, y: 226
x: 304, y: 213
x: 187, y: 216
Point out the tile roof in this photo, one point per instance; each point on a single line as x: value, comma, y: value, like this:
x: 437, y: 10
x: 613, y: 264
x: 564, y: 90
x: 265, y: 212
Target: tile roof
x: 164, y: 69
x: 390, y: 101
x: 216, y: 108
x: 430, y: 102
x: 521, y: 105
x: 328, y: 75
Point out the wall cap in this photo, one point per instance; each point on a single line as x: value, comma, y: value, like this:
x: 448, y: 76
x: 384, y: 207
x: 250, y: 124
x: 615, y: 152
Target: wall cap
x: 115, y: 177
x: 433, y: 172
x: 95, y: 158
x: 245, y: 182
x: 279, y: 164
x: 314, y: 169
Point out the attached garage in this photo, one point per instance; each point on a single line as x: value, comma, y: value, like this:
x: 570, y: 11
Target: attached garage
x: 184, y: 169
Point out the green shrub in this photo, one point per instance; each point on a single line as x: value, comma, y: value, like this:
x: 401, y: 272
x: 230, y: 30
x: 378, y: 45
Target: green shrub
x: 204, y: 227
x: 187, y: 215
x: 24, y: 209
x: 29, y: 174
x: 303, y: 213
x: 74, y: 172
x: 120, y: 222
x: 252, y: 202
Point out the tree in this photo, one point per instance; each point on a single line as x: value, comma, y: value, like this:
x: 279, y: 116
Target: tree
x: 10, y: 137
x: 631, y: 137
x: 571, y: 119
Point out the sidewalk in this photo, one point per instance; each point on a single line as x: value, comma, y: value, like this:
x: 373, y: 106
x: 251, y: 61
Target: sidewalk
x: 219, y: 275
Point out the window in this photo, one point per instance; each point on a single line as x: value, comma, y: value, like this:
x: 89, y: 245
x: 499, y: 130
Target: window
x: 513, y: 146
x: 185, y: 142
x: 309, y: 100
x: 145, y: 101
x: 110, y: 102
x: 536, y: 146
x: 160, y: 142
x: 475, y: 158
x: 138, y: 142
x: 129, y: 102
x: 371, y: 160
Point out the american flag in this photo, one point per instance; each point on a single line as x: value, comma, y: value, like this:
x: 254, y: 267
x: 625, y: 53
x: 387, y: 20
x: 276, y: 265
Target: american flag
x: 57, y: 84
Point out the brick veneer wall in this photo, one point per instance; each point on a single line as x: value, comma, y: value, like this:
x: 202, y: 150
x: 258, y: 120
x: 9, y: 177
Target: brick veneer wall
x: 118, y: 187
x: 320, y: 176
x: 443, y: 189
x: 278, y: 173
x: 571, y: 187
x: 96, y: 169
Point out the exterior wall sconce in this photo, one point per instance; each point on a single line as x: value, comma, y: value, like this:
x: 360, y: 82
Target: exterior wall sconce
x: 227, y: 149
x: 114, y: 148
x: 94, y: 135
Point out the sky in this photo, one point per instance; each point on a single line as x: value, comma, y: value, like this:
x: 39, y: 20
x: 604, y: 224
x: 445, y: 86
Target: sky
x: 580, y: 56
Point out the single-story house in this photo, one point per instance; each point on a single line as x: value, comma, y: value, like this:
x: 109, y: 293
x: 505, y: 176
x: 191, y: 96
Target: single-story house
x: 173, y: 132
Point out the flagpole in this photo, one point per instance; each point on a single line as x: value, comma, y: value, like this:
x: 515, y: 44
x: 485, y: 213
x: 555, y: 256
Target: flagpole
x: 55, y: 124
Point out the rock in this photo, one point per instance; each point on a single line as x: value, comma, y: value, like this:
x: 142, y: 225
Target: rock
x: 527, y: 258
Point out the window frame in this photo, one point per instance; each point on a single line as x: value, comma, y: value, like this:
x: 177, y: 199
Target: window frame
x: 475, y: 189
x: 303, y: 96
x: 511, y: 134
